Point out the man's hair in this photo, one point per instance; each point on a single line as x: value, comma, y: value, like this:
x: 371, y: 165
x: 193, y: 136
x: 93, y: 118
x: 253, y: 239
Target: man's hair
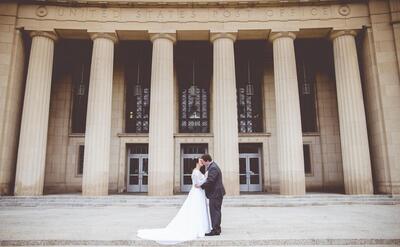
x: 206, y: 157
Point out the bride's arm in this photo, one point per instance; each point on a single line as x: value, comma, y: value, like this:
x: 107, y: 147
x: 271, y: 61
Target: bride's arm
x: 200, y: 178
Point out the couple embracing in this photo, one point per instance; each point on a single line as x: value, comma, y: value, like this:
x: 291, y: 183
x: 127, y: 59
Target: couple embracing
x: 196, y: 218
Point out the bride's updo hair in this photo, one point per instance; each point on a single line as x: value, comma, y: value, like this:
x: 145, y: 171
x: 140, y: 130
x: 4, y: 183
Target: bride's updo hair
x: 206, y: 157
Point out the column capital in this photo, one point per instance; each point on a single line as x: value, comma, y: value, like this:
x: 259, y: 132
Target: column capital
x: 47, y: 34
x: 228, y: 35
x: 170, y: 36
x: 111, y: 36
x: 337, y: 33
x: 275, y: 35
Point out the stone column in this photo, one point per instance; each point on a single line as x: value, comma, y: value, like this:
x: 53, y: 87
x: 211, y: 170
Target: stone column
x: 353, y: 126
x: 224, y: 109
x: 161, y: 129
x: 29, y: 179
x: 288, y: 118
x: 98, y: 120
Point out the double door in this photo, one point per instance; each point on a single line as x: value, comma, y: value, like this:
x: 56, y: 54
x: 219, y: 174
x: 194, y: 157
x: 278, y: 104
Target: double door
x: 138, y: 168
x: 189, y: 153
x: 250, y: 172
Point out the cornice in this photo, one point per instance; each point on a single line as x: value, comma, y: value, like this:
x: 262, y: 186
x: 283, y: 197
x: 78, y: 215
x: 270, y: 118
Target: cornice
x: 185, y: 3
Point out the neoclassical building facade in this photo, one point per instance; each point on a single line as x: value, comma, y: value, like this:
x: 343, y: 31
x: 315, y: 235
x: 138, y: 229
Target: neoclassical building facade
x: 119, y: 96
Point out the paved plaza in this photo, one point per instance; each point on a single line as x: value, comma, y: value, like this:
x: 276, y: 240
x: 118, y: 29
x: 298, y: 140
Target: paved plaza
x: 83, y: 221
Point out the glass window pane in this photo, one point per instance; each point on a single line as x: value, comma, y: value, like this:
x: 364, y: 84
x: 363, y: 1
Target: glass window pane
x: 134, y: 166
x: 249, y: 80
x: 80, y: 159
x: 254, y: 165
x: 145, y: 168
x: 188, y: 165
x: 307, y: 158
x: 242, y: 179
x: 187, y: 180
x: 194, y: 66
x: 144, y: 181
x: 306, y: 63
x: 81, y: 57
x: 137, y: 62
x: 133, y: 180
x: 242, y: 166
x: 254, y: 179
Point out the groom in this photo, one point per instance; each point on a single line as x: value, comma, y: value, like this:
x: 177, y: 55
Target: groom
x: 215, y: 192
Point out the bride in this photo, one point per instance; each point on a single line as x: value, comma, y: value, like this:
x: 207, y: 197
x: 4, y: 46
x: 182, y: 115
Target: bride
x: 191, y: 221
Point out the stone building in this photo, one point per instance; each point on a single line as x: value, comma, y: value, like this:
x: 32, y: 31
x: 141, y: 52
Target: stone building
x: 121, y: 95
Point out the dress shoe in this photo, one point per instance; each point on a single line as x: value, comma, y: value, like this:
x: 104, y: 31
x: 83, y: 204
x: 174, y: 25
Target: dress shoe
x: 212, y: 233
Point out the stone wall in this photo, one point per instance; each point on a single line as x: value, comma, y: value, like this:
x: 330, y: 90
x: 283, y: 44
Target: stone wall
x: 12, y: 74
x: 382, y: 97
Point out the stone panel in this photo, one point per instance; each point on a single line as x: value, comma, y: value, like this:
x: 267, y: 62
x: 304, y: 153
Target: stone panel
x: 12, y: 75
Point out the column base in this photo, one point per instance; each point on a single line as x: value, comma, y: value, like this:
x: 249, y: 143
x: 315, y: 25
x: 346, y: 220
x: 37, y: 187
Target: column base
x: 362, y: 190
x: 26, y: 191
x: 5, y: 189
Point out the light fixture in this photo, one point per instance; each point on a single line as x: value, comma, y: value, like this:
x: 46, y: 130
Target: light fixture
x: 81, y: 86
x: 193, y: 93
x: 138, y: 87
x: 193, y: 87
x: 306, y: 87
x: 249, y: 86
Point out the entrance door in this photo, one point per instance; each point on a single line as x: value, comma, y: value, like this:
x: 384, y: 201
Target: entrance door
x: 137, y: 169
x: 189, y: 152
x: 250, y: 168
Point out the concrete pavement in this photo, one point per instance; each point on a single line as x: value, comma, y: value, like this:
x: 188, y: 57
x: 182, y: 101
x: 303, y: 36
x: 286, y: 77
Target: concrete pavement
x: 354, y: 224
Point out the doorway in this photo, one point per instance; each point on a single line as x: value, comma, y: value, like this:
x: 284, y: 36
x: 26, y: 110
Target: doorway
x: 138, y: 168
x: 189, y: 153
x: 250, y: 167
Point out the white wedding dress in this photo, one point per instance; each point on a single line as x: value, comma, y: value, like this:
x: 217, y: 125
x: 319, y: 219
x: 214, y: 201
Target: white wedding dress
x: 191, y: 221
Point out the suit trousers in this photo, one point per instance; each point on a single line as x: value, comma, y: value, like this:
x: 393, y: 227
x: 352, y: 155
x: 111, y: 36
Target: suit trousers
x: 215, y: 213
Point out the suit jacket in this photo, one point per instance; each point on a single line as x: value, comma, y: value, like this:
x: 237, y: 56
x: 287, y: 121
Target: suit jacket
x: 213, y: 186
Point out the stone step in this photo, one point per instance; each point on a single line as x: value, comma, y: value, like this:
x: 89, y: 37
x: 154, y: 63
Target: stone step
x: 260, y: 200
x: 208, y: 242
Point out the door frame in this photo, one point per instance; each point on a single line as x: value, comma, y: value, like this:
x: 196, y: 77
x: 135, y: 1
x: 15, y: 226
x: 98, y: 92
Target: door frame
x: 251, y: 187
x: 187, y: 187
x: 140, y: 187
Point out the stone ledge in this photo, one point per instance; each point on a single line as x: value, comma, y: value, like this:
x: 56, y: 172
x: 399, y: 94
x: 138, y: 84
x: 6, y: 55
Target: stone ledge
x: 177, y: 200
x: 206, y: 242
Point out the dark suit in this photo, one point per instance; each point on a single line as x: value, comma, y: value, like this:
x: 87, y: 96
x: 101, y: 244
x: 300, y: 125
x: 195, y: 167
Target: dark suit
x: 215, y: 192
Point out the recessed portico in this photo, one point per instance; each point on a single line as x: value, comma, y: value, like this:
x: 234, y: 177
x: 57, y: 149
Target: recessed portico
x: 275, y: 97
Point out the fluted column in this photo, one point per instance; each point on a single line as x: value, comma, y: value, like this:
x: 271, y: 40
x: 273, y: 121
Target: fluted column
x: 161, y: 129
x: 98, y: 120
x: 289, y: 132
x: 353, y: 126
x: 29, y: 179
x: 225, y: 121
